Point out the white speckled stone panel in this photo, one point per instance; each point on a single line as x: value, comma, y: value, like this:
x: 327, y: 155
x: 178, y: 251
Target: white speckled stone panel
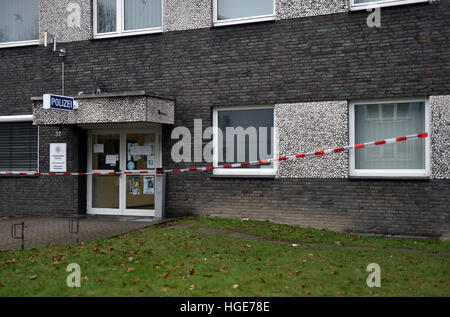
x: 57, y: 18
x: 290, y: 9
x: 312, y: 126
x: 186, y: 14
x: 440, y: 137
x: 109, y: 110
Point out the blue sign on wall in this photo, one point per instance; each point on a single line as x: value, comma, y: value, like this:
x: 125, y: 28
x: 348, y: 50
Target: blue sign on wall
x: 59, y: 102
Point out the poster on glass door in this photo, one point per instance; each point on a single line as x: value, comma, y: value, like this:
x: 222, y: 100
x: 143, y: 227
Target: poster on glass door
x: 134, y: 185
x: 149, y: 185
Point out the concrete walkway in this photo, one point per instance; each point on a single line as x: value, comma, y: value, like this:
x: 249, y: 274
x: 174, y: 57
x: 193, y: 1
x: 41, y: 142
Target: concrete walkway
x: 47, y: 231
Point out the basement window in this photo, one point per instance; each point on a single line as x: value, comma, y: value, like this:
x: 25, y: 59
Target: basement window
x: 227, y: 12
x: 127, y: 17
x: 19, y: 22
x: 378, y: 120
x: 367, y: 4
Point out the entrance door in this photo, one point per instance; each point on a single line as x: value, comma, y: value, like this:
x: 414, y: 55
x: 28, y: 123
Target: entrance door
x: 130, y: 152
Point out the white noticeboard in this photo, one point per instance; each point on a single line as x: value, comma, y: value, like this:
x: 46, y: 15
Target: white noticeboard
x: 99, y: 148
x: 58, y: 157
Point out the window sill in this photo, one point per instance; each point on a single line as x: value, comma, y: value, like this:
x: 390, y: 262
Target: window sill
x: 392, y: 178
x: 127, y: 33
x: 381, y: 4
x: 392, y: 175
x: 245, y: 20
x: 19, y: 44
x: 243, y: 176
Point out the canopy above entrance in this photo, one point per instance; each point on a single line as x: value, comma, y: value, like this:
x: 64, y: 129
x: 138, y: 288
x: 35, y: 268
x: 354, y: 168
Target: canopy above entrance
x: 134, y: 106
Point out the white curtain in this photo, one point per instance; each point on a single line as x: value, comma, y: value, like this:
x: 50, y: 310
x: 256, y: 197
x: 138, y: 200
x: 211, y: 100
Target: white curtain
x: 142, y: 14
x: 234, y: 9
x: 106, y: 16
x: 381, y: 121
x: 19, y: 20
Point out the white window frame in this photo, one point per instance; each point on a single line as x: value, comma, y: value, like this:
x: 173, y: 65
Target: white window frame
x: 24, y: 118
x: 381, y: 3
x: 252, y: 19
x: 120, y: 23
x: 21, y: 43
x: 242, y: 171
x: 389, y: 173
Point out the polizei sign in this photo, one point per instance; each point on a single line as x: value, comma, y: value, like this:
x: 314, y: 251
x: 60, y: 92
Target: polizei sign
x: 59, y: 102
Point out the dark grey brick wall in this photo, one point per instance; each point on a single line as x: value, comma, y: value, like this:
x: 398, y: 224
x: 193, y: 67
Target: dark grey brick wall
x: 334, y: 57
x: 408, y: 207
x: 29, y: 195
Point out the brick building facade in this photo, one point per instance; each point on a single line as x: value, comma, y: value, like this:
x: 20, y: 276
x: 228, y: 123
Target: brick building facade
x: 310, y: 61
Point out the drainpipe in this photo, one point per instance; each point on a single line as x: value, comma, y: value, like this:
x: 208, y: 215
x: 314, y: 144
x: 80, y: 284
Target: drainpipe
x: 62, y: 54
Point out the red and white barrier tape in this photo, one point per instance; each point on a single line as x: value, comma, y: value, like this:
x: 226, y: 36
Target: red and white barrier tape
x: 244, y: 164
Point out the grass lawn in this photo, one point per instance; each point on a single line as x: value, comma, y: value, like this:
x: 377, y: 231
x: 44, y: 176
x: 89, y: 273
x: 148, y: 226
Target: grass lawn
x: 205, y: 257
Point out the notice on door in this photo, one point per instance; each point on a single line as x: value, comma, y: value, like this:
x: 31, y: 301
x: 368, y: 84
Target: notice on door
x: 149, y: 185
x: 58, y: 157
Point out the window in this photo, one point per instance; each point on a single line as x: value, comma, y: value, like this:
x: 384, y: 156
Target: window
x: 18, y: 145
x: 228, y: 12
x: 375, y: 120
x: 19, y: 22
x: 364, y: 4
x: 241, y: 135
x: 126, y: 17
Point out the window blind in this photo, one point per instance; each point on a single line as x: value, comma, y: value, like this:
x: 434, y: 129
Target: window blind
x: 18, y: 146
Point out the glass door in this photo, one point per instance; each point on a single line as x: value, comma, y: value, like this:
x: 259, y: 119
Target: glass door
x: 104, y: 190
x: 140, y: 188
x: 134, y: 153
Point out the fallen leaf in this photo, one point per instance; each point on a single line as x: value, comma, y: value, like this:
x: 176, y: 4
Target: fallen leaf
x: 130, y: 269
x: 192, y: 287
x: 137, y: 281
x: 235, y: 286
x: 32, y: 277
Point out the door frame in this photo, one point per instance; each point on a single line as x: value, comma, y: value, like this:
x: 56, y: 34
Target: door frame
x: 122, y: 132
